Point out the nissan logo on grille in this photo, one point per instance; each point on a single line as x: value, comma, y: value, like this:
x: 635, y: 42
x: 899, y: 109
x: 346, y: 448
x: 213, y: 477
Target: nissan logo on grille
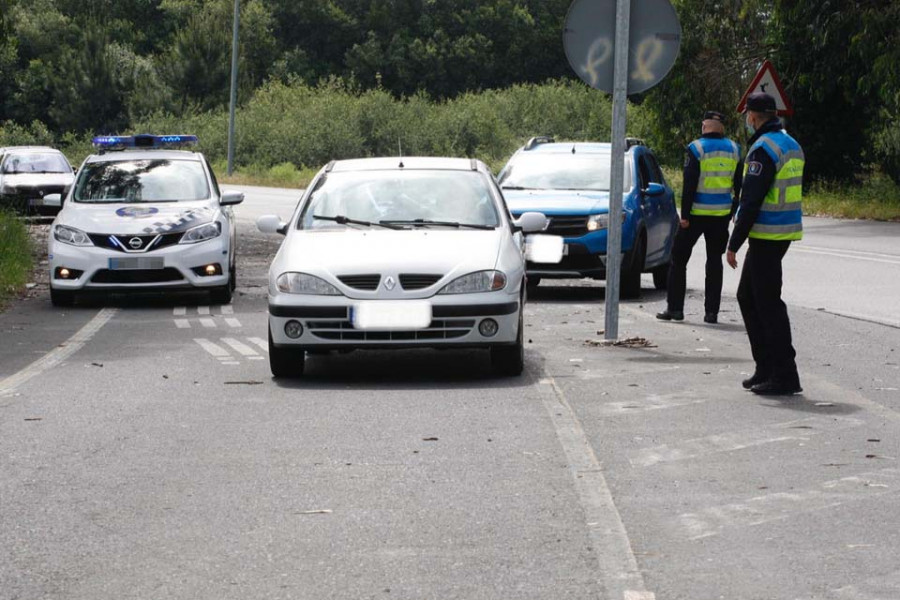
x: 135, y: 243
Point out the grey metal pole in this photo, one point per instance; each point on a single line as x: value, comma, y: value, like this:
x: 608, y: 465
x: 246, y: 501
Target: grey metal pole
x: 617, y: 169
x: 234, y: 79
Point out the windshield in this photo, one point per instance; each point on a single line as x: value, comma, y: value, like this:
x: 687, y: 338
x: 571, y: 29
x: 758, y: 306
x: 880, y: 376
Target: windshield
x: 34, y: 162
x: 374, y: 196
x: 562, y: 172
x: 130, y: 181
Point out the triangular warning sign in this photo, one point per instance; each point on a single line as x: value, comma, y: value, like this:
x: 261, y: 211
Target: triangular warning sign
x: 767, y: 81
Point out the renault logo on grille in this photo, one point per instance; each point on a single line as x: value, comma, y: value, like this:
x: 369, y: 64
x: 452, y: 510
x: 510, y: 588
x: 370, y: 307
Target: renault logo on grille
x: 135, y: 242
x: 389, y: 283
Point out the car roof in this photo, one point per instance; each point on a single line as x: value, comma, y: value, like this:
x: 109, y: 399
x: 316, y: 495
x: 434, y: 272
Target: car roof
x: 123, y: 155
x: 406, y: 163
x: 566, y: 148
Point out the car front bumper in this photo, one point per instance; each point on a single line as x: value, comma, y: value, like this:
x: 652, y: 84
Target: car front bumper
x: 177, y: 272
x: 455, y: 320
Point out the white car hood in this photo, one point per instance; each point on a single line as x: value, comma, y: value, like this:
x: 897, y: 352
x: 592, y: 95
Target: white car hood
x: 136, y: 218
x: 420, y: 251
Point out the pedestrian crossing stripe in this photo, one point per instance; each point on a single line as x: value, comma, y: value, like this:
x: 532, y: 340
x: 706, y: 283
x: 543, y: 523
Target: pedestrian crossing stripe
x: 223, y: 350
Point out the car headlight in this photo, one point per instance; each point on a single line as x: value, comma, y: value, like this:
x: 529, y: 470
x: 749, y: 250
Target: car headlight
x: 598, y: 222
x: 201, y: 233
x: 481, y: 281
x: 71, y: 236
x: 302, y: 283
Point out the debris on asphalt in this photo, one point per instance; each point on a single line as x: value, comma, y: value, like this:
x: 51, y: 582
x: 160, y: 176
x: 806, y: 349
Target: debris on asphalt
x: 320, y: 511
x: 250, y: 382
x: 429, y: 439
x: 873, y: 440
x: 34, y: 418
x: 96, y: 364
x: 632, y: 342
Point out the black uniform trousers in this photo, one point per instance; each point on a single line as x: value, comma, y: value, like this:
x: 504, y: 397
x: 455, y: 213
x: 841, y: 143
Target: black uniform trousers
x: 715, y: 232
x: 765, y: 314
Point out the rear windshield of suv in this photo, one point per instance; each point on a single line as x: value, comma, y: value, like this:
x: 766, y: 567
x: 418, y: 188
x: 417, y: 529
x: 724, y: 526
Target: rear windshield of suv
x: 131, y: 181
x: 543, y: 171
x: 36, y: 162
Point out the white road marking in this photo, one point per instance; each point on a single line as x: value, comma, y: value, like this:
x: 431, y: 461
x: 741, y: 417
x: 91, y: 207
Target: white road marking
x: 242, y: 349
x: 232, y: 322
x: 227, y: 309
x: 854, y: 254
x: 208, y: 323
x: 651, y: 402
x: 203, y: 310
x: 263, y: 344
x: 782, y: 505
x: 212, y: 348
x: 60, y: 353
x: 618, y: 567
x: 729, y: 442
x: 182, y: 324
x: 179, y: 311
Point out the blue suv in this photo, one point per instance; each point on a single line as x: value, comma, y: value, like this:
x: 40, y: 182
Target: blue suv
x: 569, y: 182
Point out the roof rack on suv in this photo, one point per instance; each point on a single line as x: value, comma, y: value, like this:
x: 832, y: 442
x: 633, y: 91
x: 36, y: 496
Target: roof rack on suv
x: 540, y: 139
x: 630, y: 142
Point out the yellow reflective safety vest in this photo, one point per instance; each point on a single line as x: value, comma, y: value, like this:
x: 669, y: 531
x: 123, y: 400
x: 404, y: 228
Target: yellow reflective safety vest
x: 718, y: 159
x: 781, y: 214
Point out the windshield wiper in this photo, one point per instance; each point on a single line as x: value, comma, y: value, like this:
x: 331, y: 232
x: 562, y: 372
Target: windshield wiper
x: 440, y: 224
x: 342, y: 220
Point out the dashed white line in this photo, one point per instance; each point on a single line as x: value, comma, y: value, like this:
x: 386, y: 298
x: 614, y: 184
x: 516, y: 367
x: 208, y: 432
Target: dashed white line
x: 203, y: 310
x: 212, y: 348
x: 208, y: 323
x: 227, y: 309
x: 182, y: 324
x: 232, y: 322
x: 263, y: 344
x: 242, y: 349
x: 58, y: 354
x: 179, y: 311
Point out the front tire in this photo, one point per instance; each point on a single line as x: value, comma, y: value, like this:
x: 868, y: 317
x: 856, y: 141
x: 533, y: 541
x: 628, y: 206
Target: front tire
x: 286, y: 362
x: 509, y: 361
x: 222, y: 294
x: 631, y: 277
x: 661, y: 277
x: 62, y: 297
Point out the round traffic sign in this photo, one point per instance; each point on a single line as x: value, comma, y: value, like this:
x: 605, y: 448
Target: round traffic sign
x: 653, y: 42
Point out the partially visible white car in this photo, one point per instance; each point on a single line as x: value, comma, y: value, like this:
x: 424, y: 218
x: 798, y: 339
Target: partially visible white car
x: 142, y: 216
x: 30, y: 173
x: 399, y: 253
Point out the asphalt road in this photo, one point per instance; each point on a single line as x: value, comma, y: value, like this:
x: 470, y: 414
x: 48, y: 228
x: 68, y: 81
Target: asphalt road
x: 147, y: 453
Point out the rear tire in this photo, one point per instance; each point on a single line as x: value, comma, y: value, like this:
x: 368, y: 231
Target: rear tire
x: 661, y: 277
x: 62, y: 297
x: 286, y: 362
x: 509, y: 361
x: 532, y: 281
x: 631, y: 277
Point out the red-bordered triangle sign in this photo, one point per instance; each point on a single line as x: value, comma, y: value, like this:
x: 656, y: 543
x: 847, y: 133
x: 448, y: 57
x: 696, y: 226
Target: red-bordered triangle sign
x: 767, y: 81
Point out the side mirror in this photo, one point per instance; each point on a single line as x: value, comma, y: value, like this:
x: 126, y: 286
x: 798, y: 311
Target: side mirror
x: 544, y: 249
x: 654, y: 189
x: 231, y: 198
x: 271, y: 224
x: 53, y: 200
x: 530, y: 222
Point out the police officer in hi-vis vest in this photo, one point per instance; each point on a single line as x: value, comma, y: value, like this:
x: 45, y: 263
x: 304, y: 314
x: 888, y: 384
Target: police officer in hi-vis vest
x: 711, y: 173
x: 770, y: 216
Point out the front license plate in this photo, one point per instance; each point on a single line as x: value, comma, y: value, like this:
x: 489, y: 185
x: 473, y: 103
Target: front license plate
x: 136, y: 262
x: 406, y: 315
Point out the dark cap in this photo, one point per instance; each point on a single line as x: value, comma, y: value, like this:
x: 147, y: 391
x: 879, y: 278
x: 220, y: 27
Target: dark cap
x: 761, y: 102
x: 713, y: 115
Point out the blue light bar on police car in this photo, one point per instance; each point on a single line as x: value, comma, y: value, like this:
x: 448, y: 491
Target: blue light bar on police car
x: 110, y: 142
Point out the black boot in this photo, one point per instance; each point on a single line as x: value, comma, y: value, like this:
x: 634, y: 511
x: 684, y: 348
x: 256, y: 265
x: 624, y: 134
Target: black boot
x: 755, y: 379
x: 776, y: 387
x: 670, y: 315
x: 711, y: 318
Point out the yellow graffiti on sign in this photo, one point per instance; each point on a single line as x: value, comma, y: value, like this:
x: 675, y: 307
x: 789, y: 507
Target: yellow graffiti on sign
x: 648, y: 52
x: 598, y: 54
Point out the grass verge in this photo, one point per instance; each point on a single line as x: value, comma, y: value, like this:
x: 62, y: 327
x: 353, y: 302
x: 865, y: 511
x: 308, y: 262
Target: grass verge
x: 15, y: 256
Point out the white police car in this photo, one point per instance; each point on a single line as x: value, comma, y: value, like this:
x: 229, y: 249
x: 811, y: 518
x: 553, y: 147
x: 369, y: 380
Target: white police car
x: 143, y: 216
